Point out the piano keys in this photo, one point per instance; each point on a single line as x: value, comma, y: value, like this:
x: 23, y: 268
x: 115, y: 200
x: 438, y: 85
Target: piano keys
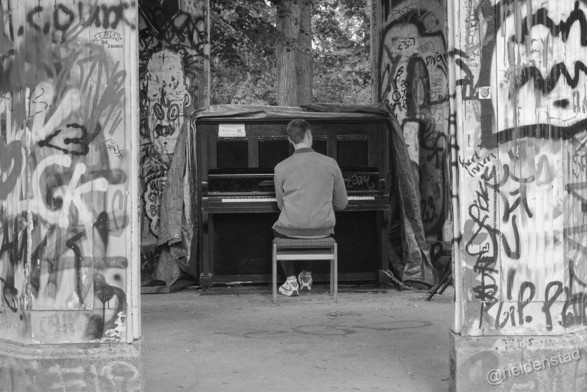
x: 266, y: 199
x: 236, y: 154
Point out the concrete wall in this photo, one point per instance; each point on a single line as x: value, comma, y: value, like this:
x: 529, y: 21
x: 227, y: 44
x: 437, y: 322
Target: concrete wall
x: 68, y: 142
x: 410, y: 70
x: 174, y: 81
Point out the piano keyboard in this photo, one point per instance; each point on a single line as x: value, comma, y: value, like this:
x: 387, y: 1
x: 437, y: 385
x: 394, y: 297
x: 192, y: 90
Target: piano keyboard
x: 264, y: 199
x: 250, y: 199
x: 354, y: 198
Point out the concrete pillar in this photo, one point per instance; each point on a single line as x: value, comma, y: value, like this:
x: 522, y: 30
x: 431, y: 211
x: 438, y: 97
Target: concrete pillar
x: 69, y: 259
x: 518, y: 139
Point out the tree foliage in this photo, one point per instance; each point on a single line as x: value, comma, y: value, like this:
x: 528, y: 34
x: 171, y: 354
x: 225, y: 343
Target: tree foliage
x: 341, y: 42
x: 242, y: 54
x: 243, y: 51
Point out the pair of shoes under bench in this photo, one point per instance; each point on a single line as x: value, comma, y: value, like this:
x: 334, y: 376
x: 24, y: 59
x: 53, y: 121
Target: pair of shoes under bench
x: 290, y: 287
x: 305, y: 279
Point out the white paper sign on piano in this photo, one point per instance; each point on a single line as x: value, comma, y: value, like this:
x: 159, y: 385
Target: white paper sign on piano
x: 231, y: 130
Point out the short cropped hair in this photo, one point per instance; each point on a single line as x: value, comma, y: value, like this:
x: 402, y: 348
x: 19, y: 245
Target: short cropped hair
x: 296, y: 130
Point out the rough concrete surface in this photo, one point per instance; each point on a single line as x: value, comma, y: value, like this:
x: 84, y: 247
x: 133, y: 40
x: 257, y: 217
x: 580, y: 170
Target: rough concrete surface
x: 236, y: 339
x: 89, y: 367
x: 531, y: 363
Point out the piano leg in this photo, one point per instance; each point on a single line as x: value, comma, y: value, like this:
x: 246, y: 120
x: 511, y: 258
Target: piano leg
x: 383, y: 219
x: 207, y: 254
x: 205, y: 280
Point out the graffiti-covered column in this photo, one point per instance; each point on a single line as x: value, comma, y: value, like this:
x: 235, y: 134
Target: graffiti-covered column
x: 520, y: 195
x: 69, y: 260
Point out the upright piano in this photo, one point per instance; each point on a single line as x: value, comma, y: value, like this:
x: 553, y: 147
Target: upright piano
x: 237, y: 148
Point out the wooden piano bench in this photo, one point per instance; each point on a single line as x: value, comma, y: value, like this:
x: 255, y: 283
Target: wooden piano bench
x: 319, y: 249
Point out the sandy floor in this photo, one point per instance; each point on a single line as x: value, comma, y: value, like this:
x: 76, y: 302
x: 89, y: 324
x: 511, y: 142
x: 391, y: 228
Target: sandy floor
x: 236, y: 339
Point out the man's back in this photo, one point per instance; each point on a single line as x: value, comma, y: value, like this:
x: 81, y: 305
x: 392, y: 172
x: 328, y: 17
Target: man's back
x: 309, y: 187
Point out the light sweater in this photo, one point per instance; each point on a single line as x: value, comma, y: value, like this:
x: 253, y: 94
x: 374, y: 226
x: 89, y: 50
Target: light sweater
x: 309, y: 187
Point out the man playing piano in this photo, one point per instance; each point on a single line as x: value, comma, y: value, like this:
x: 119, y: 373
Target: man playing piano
x: 309, y: 187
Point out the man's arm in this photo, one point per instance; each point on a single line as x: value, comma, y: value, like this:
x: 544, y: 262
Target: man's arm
x: 278, y: 184
x: 339, y: 197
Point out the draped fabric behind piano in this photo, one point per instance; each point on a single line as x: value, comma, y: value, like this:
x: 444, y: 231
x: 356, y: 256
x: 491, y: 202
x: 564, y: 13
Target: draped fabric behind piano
x: 173, y: 73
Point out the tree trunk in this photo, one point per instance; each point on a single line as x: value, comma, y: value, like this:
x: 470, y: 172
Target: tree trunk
x: 294, y: 68
x: 304, y: 57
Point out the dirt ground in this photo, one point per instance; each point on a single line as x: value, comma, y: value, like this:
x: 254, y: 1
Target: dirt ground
x: 236, y: 339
